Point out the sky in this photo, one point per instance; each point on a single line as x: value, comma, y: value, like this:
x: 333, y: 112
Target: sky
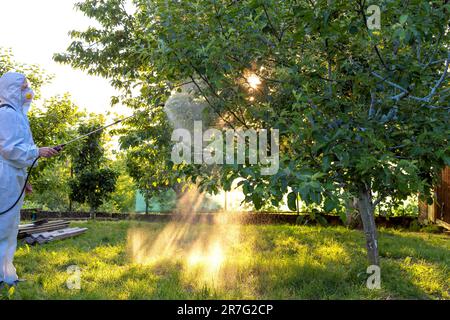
x: 35, y: 30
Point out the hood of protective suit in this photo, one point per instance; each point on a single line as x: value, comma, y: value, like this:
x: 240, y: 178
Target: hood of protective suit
x: 11, y: 90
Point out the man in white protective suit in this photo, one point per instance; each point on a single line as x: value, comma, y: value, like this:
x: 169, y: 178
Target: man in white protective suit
x: 17, y: 153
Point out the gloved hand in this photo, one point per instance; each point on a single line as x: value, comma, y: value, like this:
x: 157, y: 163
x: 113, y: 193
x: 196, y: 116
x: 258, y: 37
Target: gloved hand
x: 46, y: 152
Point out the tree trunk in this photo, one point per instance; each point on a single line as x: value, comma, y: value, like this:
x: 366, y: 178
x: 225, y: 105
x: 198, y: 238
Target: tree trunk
x: 366, y: 211
x: 71, y: 177
x: 351, y: 213
x: 93, y: 214
x: 146, y: 202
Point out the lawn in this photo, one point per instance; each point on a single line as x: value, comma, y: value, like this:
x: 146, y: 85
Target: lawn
x: 137, y: 260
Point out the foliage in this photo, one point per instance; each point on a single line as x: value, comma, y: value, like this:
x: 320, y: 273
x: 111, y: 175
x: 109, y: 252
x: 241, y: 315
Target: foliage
x: 335, y: 89
x: 146, y: 158
x: 50, y: 188
x: 93, y: 181
x: 123, y: 198
x: 52, y: 124
x: 392, y: 208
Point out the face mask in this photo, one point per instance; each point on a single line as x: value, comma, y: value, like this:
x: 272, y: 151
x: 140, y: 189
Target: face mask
x: 27, y: 97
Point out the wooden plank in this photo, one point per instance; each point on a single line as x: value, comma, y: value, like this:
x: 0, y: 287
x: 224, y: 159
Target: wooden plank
x: 55, y: 233
x: 44, y: 237
x: 69, y: 234
x: 26, y: 229
x: 443, y: 224
x: 36, y: 225
x: 44, y: 228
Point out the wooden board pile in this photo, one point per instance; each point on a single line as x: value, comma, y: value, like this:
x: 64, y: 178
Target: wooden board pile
x: 44, y: 231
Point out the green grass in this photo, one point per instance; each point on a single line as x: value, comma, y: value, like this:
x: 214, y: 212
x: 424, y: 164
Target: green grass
x: 262, y: 262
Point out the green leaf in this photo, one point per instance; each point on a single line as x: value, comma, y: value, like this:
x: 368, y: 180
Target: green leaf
x: 330, y: 204
x: 353, y: 29
x: 403, y: 18
x: 321, y: 219
x: 292, y: 201
x: 257, y: 201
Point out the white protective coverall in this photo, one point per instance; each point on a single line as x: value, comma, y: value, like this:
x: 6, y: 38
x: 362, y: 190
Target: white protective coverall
x: 17, y: 152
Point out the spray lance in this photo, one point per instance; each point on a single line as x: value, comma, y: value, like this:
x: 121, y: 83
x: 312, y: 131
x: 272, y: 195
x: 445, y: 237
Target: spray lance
x: 59, y: 148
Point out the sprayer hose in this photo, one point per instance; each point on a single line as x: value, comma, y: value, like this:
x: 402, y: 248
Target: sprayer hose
x: 23, y: 189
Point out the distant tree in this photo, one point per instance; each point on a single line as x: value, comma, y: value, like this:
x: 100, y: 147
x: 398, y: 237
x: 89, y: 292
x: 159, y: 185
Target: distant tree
x: 93, y: 180
x: 53, y: 122
x: 123, y: 199
x: 147, y: 159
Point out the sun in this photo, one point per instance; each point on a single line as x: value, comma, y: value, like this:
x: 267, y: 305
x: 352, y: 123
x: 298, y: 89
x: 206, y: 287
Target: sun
x: 254, y: 81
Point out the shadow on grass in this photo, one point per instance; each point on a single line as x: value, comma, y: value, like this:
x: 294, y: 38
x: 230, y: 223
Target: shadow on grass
x: 337, y: 265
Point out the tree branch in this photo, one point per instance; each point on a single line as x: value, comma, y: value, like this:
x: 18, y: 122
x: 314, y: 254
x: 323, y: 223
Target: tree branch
x: 363, y: 14
x: 215, y: 93
x: 210, y: 104
x: 277, y: 35
x: 441, y: 80
x: 372, y: 104
x: 406, y: 93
